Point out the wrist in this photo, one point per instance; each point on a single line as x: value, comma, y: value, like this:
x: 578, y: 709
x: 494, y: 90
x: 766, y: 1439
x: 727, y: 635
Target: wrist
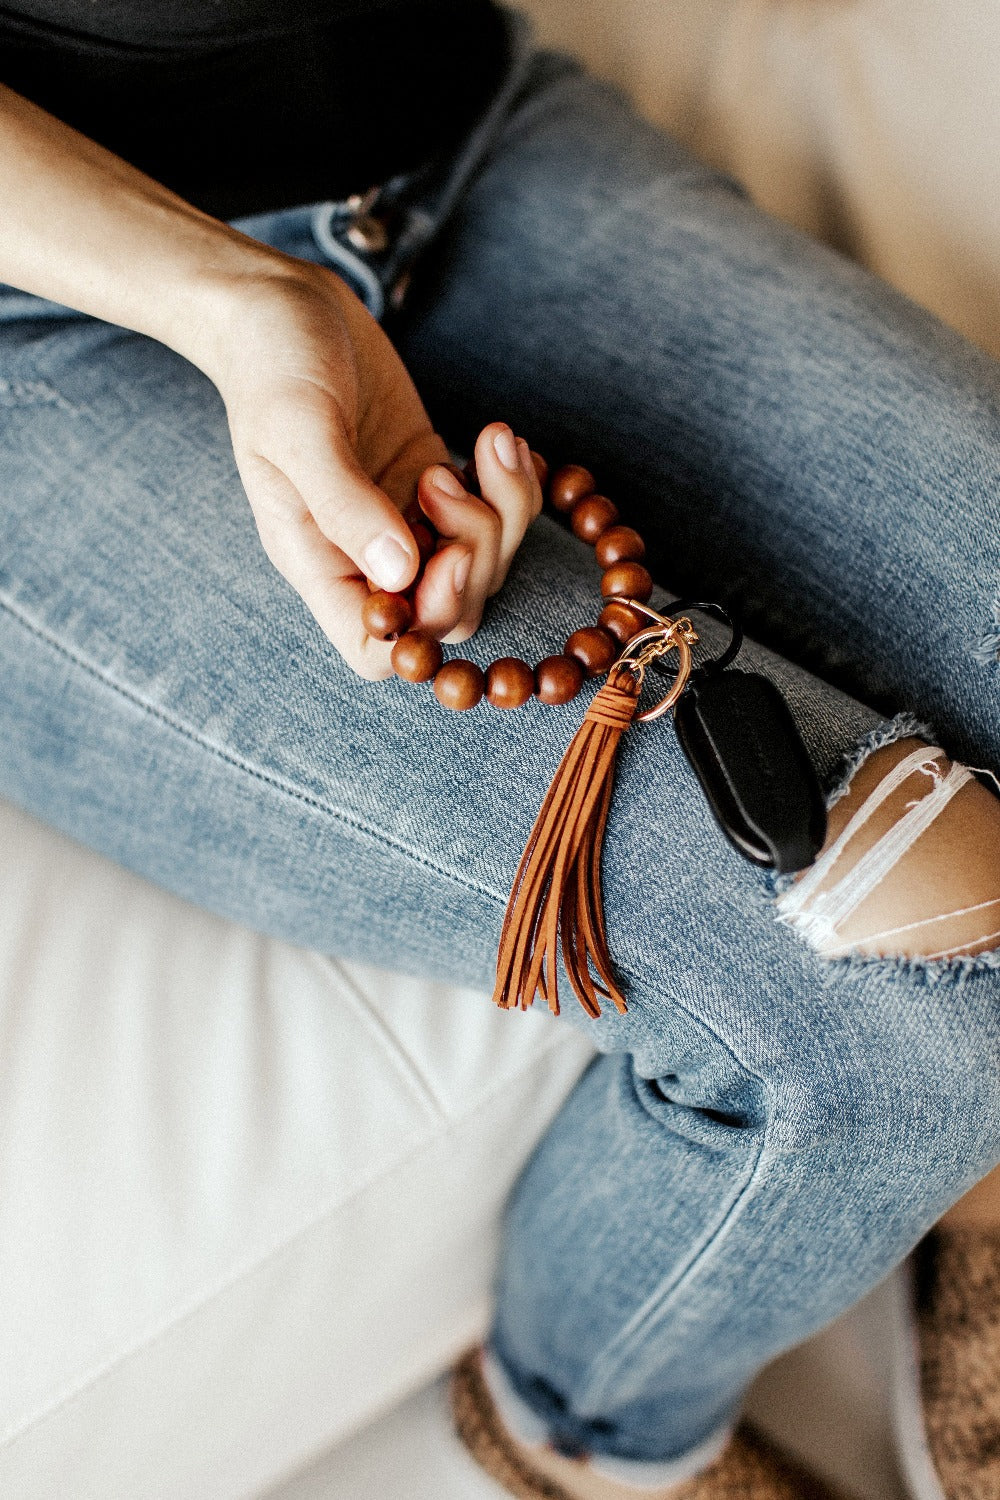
x: 256, y: 313
x: 218, y: 296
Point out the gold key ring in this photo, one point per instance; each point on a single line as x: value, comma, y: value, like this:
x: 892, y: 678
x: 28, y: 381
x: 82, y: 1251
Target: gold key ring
x: 648, y: 645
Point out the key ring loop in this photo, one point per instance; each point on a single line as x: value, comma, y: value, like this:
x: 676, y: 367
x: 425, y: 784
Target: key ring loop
x: 647, y: 647
x: 714, y: 664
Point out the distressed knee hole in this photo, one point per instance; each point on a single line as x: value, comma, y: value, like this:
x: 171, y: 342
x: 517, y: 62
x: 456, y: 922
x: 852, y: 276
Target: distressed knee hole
x: 911, y: 863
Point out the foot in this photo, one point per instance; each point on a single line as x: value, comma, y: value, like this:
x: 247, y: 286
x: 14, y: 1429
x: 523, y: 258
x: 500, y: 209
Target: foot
x: 955, y: 1315
x: 748, y: 1468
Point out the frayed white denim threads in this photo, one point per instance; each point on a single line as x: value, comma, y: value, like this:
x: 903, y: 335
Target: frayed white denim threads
x: 819, y: 915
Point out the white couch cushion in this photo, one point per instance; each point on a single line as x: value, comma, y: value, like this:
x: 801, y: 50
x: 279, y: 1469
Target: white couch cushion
x: 251, y: 1195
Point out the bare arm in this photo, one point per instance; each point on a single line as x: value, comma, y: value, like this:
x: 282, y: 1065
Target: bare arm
x: 85, y: 228
x: 329, y: 435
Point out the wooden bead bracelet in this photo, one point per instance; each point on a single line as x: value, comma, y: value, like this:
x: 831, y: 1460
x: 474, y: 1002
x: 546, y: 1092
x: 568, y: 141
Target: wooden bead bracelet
x: 731, y: 726
x: 588, y: 652
x: 556, y: 906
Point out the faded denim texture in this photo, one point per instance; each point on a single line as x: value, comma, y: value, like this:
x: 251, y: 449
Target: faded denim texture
x: 766, y: 1133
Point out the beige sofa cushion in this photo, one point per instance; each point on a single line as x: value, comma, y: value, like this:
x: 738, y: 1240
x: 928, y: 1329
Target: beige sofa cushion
x: 874, y: 124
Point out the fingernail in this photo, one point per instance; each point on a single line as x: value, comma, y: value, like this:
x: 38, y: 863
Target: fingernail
x: 460, y: 572
x: 527, y: 462
x: 387, y: 562
x: 506, y: 449
x: 443, y: 479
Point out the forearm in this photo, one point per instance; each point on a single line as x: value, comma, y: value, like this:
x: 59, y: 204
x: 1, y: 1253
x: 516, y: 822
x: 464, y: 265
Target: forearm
x: 84, y: 228
x: 328, y: 432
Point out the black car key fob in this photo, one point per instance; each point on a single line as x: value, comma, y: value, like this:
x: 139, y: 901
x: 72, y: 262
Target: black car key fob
x: 738, y: 734
x: 745, y: 749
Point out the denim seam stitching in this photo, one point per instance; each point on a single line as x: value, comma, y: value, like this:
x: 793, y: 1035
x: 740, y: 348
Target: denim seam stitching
x: 658, y: 1302
x: 239, y: 764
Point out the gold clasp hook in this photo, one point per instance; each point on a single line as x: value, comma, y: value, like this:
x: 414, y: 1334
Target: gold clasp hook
x: 649, y: 645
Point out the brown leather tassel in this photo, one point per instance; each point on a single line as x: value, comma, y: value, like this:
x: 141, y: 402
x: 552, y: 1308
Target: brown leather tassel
x: 556, y: 895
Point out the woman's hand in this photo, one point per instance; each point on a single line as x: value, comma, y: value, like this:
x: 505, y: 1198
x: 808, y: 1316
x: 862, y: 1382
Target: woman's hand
x: 329, y: 433
x: 332, y: 443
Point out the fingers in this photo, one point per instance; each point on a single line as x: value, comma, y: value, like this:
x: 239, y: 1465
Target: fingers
x: 474, y: 528
x: 399, y: 478
x: 490, y: 529
x: 315, y: 452
x: 328, y: 527
x: 510, y: 486
x: 323, y: 575
x: 440, y: 599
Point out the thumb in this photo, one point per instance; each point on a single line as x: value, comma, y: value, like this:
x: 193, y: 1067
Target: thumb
x: 350, y: 509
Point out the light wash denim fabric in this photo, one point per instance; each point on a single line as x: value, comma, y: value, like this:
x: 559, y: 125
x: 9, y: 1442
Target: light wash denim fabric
x: 766, y: 1132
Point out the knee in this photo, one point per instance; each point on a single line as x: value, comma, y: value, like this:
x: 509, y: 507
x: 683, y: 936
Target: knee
x: 910, y: 872
x: 911, y: 865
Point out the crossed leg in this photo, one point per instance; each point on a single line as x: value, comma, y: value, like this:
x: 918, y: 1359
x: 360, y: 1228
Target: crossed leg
x: 812, y: 449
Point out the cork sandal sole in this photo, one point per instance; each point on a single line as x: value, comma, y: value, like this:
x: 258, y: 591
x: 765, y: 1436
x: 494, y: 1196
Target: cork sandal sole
x: 749, y: 1468
x: 486, y: 1439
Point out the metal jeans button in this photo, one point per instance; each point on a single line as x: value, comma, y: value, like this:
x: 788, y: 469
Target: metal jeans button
x: 369, y: 235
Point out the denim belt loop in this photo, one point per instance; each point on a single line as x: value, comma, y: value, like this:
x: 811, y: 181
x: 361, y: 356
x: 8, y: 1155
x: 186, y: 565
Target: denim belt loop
x: 329, y: 224
x: 421, y: 200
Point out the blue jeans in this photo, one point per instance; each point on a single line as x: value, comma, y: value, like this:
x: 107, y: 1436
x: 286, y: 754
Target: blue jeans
x: 766, y: 1132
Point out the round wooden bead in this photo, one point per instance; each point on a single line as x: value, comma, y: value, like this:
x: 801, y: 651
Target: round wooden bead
x: 425, y: 539
x: 622, y: 622
x: 509, y: 682
x: 558, y: 679
x: 541, y: 467
x: 595, y: 649
x: 570, y: 484
x: 416, y: 656
x: 628, y: 578
x: 619, y: 544
x: 459, y: 684
x: 592, y: 516
x: 385, y: 615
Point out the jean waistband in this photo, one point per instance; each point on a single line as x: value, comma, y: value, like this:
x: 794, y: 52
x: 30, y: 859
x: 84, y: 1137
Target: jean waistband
x: 376, y: 238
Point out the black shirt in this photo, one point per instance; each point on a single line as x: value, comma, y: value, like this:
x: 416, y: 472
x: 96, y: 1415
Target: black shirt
x: 246, y: 105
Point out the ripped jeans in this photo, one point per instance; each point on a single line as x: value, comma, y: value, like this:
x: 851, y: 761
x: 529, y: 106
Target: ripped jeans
x: 767, y: 1131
